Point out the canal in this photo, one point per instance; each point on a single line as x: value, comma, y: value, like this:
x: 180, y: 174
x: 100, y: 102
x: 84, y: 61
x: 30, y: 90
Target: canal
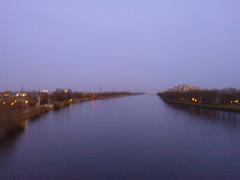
x: 137, y: 137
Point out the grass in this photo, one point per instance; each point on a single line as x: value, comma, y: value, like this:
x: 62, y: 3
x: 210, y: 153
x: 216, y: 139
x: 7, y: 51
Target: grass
x: 11, y: 121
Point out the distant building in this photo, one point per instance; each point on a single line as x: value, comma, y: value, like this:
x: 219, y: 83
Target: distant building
x: 59, y: 90
x: 183, y: 88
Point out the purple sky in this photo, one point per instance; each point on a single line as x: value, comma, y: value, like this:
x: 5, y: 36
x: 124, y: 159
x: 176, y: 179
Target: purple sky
x: 119, y: 45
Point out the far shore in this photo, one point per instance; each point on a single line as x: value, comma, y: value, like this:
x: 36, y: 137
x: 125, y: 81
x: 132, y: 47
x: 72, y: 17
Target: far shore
x: 227, y: 99
x: 228, y: 108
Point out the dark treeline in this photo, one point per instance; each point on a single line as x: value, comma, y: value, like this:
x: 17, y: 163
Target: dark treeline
x: 218, y: 97
x: 62, y: 98
x: 224, y: 99
x: 62, y: 95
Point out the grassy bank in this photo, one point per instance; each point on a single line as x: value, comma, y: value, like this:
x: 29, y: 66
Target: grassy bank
x: 35, y: 112
x: 12, y: 120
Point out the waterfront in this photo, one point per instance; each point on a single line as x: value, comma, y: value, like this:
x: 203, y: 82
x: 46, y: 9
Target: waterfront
x: 227, y: 99
x: 16, y: 108
x: 138, y: 137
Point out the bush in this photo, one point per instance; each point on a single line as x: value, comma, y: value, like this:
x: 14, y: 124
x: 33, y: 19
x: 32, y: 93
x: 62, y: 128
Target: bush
x: 57, y: 106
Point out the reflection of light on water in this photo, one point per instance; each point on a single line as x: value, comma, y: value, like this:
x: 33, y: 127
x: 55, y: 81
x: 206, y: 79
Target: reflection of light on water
x: 25, y: 124
x: 224, y: 117
x: 93, y: 102
x: 69, y: 110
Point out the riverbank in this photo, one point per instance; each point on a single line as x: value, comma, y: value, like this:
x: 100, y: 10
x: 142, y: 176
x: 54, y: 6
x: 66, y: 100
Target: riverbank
x: 229, y: 108
x: 12, y: 119
x: 223, y: 100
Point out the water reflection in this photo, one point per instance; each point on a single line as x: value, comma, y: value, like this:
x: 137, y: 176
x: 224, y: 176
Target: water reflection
x: 26, y: 124
x: 11, y: 141
x: 126, y: 138
x: 229, y: 118
x: 8, y: 145
x: 93, y: 102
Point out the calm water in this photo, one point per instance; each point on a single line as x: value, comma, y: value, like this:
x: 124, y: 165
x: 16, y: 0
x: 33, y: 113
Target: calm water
x: 136, y: 137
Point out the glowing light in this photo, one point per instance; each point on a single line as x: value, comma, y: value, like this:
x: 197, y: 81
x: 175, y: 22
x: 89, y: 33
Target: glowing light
x: 93, y: 96
x: 21, y: 94
x: 4, y: 102
x: 194, y: 99
x: 44, y: 91
x: 26, y: 101
x: 12, y: 104
x: 65, y: 90
x: 236, y: 101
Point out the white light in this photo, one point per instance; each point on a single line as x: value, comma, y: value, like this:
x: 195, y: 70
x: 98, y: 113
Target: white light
x: 44, y: 91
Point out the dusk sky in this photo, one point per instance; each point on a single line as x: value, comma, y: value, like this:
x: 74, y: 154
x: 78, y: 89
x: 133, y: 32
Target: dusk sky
x: 135, y: 45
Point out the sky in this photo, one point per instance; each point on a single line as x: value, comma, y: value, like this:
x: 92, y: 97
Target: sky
x: 135, y: 45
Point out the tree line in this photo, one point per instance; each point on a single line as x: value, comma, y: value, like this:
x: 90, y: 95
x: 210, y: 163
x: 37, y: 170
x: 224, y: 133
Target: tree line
x: 216, y: 96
